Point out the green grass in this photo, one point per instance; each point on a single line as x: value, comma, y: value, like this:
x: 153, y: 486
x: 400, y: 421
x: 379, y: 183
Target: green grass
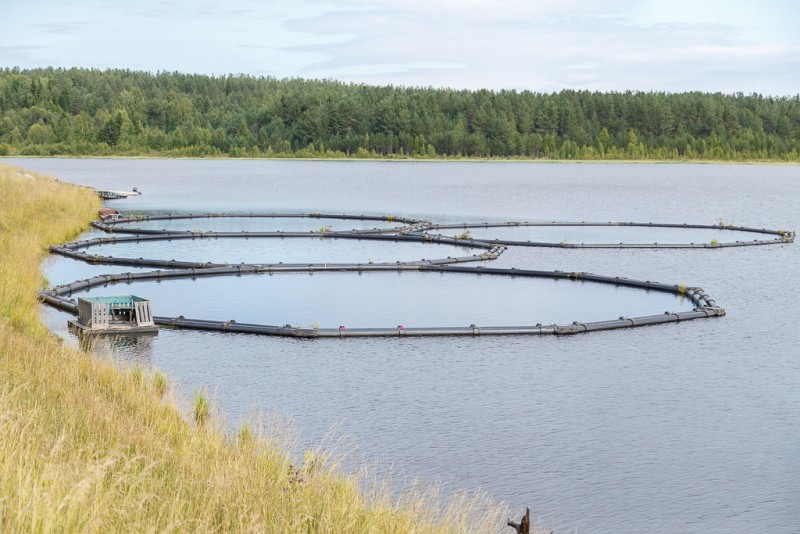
x: 87, y: 446
x: 201, y: 410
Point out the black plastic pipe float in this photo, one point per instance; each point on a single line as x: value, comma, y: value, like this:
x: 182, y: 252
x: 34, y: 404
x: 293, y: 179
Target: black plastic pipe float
x: 705, y: 307
x: 418, y: 226
x: 435, y: 226
x: 413, y: 230
x: 712, y: 245
x: 110, y: 225
x: 73, y: 250
x: 783, y: 236
x: 168, y: 236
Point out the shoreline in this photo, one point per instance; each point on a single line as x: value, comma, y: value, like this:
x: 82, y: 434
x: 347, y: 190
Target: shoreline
x: 88, y: 444
x: 425, y: 160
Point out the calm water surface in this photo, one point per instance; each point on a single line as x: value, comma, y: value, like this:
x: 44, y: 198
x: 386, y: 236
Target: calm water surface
x: 411, y: 299
x: 689, y: 427
x: 288, y: 250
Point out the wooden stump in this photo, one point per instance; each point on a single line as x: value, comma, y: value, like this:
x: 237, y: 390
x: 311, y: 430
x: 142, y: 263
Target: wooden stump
x: 524, y: 526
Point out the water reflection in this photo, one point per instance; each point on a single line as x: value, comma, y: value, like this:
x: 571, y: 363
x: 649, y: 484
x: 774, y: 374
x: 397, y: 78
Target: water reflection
x: 129, y: 349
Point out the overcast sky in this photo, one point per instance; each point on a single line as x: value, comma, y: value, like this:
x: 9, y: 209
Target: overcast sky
x: 749, y: 46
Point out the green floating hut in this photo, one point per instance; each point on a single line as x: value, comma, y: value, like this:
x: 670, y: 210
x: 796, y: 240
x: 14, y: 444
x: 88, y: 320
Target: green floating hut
x: 125, y: 314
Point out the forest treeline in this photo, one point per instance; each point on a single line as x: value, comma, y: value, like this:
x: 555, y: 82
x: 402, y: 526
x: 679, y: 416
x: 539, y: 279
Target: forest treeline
x: 50, y: 112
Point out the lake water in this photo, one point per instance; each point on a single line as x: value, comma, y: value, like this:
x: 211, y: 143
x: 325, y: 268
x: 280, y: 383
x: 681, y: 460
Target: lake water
x: 690, y: 427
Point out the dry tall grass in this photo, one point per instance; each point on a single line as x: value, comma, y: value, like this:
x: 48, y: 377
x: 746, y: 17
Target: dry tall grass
x: 87, y: 446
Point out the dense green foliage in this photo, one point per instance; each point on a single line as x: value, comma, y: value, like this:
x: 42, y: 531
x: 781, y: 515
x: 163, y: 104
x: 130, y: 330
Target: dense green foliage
x: 92, y: 112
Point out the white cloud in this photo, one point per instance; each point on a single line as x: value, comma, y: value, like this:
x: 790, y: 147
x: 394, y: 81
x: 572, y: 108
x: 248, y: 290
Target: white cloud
x: 549, y: 46
x: 541, y: 45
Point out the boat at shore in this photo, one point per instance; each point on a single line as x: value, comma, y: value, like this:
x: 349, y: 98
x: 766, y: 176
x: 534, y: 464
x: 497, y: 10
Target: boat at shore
x: 112, y: 194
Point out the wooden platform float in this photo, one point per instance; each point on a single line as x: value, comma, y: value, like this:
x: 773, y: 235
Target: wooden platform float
x: 126, y: 314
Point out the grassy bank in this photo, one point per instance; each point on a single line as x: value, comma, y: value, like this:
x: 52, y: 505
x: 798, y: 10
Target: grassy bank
x: 88, y: 446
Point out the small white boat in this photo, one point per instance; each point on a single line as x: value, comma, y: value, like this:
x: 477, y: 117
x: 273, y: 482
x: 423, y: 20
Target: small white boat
x: 111, y: 194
